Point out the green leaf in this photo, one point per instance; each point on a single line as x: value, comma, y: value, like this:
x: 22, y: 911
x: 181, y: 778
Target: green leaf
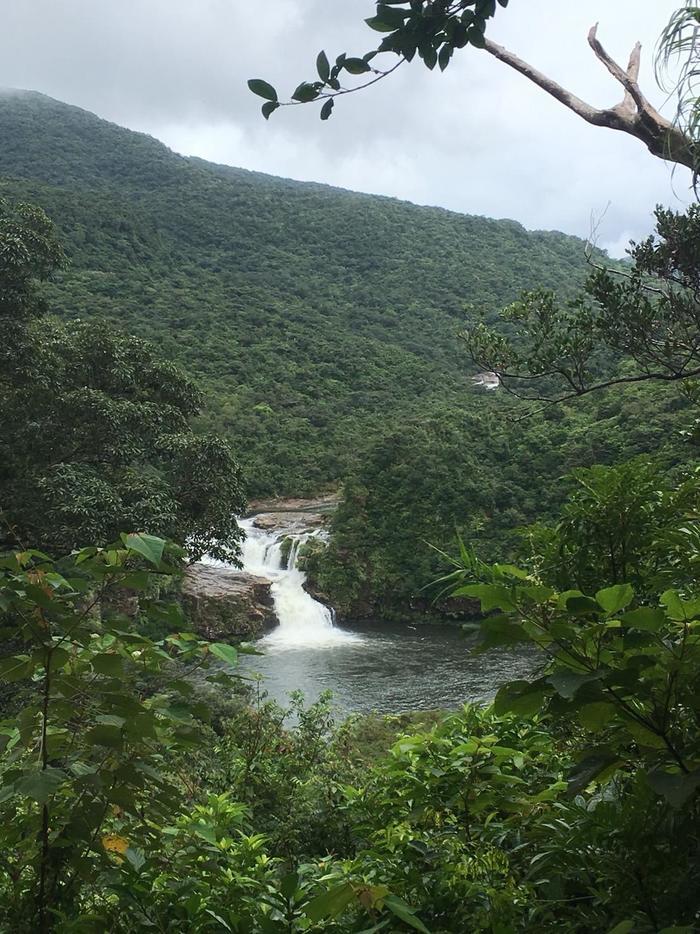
x: 589, y: 768
x: 476, y: 37
x: 520, y: 697
x: 206, y: 832
x: 15, y: 668
x: 499, y: 630
x: 510, y: 570
x: 105, y: 735
x: 582, y: 606
x: 305, y: 92
x: 597, y: 715
x: 675, y: 787
x: 225, y: 652
x: 108, y: 664
x: 41, y: 785
x: 387, y: 20
x: 323, y: 67
x: 646, y: 618
x: 614, y: 599
x: 356, y: 66
x: 624, y: 927
x: 567, y: 682
x: 492, y: 596
x: 268, y: 108
x: 644, y: 736
x: 429, y: 56
x: 445, y: 56
x: 150, y: 547
x: 262, y: 89
x: 679, y: 609
x: 405, y: 913
x: 327, y: 108
x: 329, y: 904
x: 135, y: 858
x: 289, y: 885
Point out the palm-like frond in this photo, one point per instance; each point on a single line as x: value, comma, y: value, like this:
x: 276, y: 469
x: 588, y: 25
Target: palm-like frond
x: 678, y: 70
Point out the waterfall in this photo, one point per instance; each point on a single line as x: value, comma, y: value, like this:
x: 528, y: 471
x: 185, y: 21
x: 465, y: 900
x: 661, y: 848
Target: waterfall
x: 303, y: 621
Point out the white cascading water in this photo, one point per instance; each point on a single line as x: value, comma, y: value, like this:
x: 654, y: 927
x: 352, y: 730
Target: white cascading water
x: 303, y: 621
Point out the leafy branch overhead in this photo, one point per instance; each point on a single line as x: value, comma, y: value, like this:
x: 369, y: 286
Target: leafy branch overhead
x: 434, y: 29
x: 430, y: 30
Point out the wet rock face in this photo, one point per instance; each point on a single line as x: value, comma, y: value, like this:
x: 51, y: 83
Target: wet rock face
x: 226, y: 605
x: 289, y: 521
x: 321, y: 504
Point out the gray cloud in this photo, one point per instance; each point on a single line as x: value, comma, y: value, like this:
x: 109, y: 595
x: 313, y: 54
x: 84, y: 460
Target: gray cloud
x: 478, y: 139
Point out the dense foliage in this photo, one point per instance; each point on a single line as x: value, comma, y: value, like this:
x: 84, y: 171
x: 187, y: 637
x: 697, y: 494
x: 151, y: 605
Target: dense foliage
x: 630, y: 327
x: 481, y: 475
x: 95, y: 432
x: 316, y: 320
x: 321, y: 325
x: 128, y: 804
x: 142, y: 786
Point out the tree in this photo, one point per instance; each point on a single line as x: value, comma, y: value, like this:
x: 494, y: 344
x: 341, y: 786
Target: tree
x: 95, y: 435
x: 631, y: 324
x: 435, y: 29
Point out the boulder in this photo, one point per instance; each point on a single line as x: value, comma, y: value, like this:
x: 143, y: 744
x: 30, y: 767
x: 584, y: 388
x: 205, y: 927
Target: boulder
x: 226, y: 605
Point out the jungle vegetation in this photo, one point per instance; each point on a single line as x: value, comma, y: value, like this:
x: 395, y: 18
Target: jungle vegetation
x: 142, y: 787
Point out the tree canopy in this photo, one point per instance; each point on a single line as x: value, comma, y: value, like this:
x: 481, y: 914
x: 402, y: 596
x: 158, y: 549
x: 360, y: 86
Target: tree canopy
x: 94, y: 428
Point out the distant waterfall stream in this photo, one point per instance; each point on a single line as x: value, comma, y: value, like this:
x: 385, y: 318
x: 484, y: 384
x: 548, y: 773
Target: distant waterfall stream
x: 303, y: 621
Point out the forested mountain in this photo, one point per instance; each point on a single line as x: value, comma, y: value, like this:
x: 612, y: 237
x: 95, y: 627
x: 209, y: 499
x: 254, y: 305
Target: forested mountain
x: 323, y: 326
x: 317, y: 319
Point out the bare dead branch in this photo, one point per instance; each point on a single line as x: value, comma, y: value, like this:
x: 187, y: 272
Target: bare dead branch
x: 628, y: 82
x: 634, y: 115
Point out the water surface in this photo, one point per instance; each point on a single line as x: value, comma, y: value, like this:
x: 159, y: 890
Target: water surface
x: 387, y: 667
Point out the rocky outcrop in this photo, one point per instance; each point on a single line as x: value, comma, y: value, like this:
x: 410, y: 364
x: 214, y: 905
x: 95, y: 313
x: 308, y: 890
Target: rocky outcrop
x: 226, y: 605
x: 289, y: 521
x: 320, y: 504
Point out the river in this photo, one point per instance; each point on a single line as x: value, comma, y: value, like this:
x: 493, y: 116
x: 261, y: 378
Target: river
x: 386, y: 667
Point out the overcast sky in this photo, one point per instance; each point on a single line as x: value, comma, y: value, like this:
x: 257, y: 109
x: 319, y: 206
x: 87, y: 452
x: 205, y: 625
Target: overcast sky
x: 479, y: 138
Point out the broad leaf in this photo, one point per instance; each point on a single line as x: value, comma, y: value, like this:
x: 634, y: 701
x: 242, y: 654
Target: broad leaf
x: 225, y: 652
x: 614, y: 599
x: 403, y: 911
x: 40, y: 785
x: 566, y: 682
x: 329, y: 904
x: 676, y: 787
x: 646, y: 618
x: 262, y: 89
x: 323, y: 67
x: 520, y: 697
x: 150, y: 547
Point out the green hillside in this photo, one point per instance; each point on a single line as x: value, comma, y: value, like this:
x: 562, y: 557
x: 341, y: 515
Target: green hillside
x: 317, y: 319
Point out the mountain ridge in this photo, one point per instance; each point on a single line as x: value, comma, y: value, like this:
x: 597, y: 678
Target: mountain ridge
x: 316, y: 318
x: 226, y: 168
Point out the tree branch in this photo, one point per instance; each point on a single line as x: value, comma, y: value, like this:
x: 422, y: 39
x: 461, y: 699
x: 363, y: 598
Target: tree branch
x: 634, y: 115
x: 672, y: 377
x: 628, y: 79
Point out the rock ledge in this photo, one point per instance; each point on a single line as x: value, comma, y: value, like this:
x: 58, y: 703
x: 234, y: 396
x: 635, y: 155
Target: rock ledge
x: 226, y: 605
